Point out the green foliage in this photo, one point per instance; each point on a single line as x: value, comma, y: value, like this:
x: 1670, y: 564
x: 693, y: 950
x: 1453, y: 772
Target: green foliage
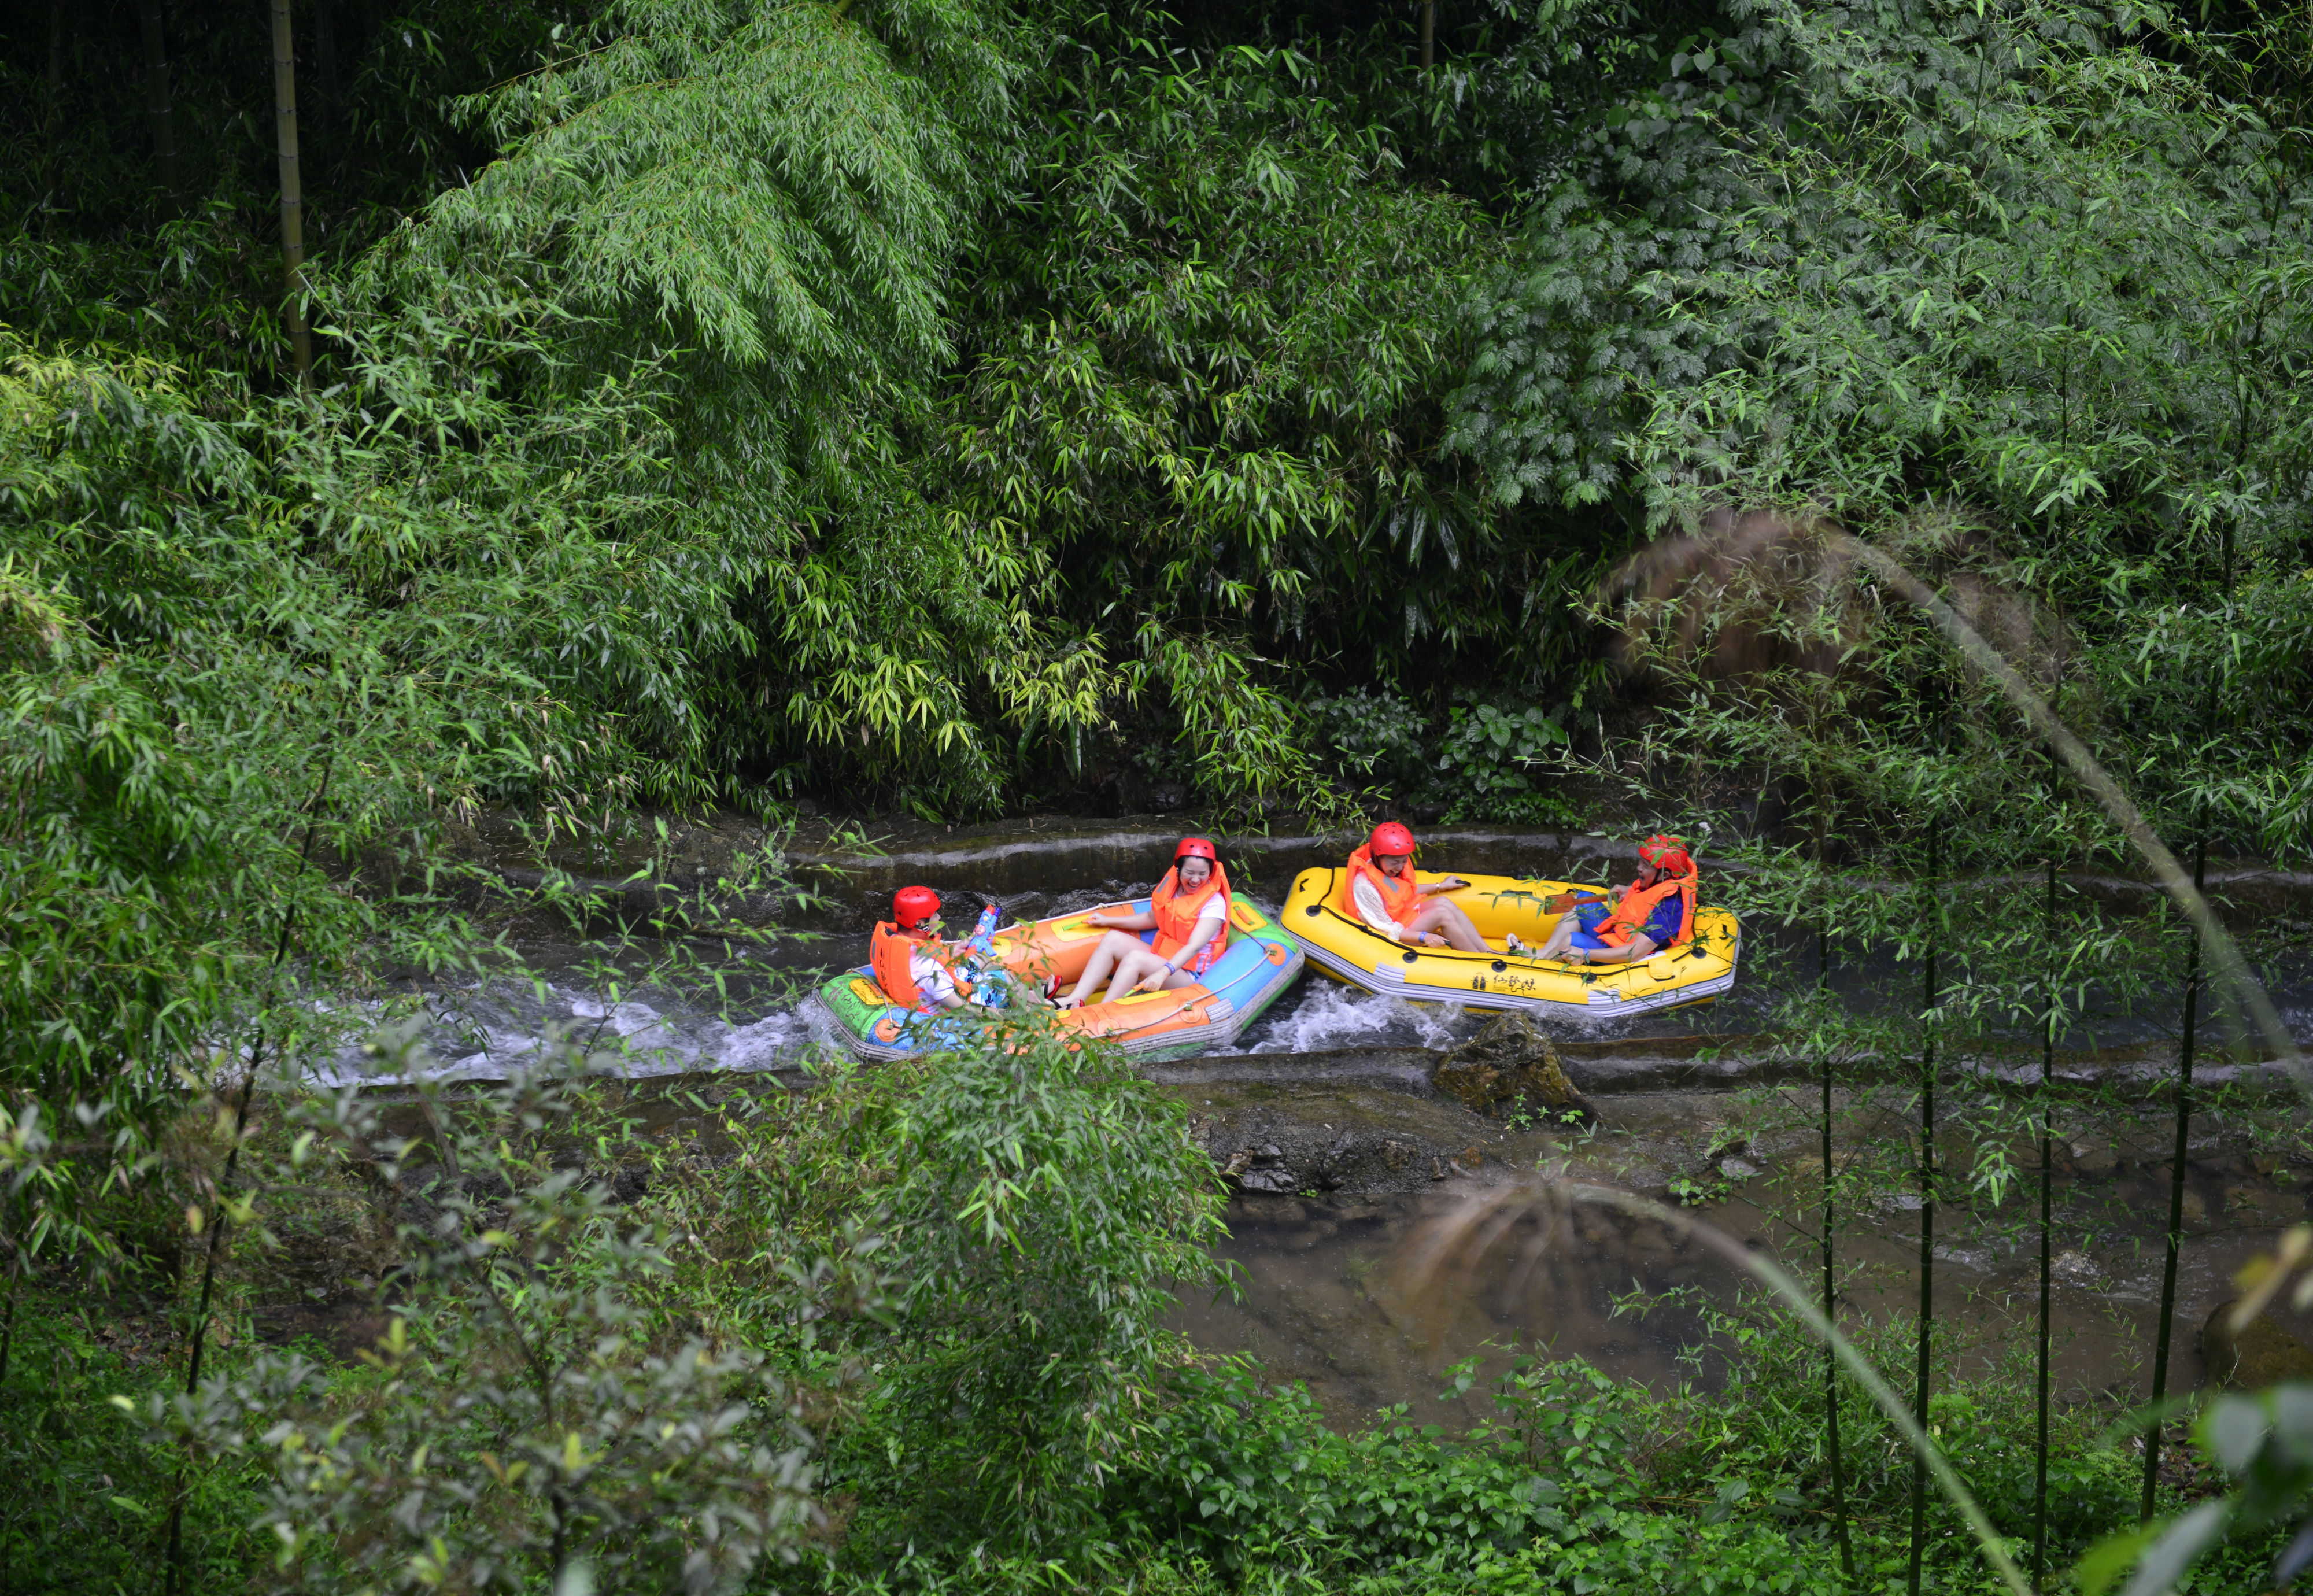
x: 1486, y: 761
x: 1047, y: 1206
x: 2264, y: 1441
x: 242, y: 653
x: 1372, y: 736
x: 88, y: 1502
x: 513, y: 1424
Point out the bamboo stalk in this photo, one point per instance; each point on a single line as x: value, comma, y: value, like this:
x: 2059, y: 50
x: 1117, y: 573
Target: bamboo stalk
x: 1927, y: 1225
x: 158, y: 112
x: 2047, y: 1210
x: 1429, y: 32
x: 2177, y: 1164
x: 176, y: 1553
x: 293, y: 213
x: 1830, y: 1286
x: 2202, y: 928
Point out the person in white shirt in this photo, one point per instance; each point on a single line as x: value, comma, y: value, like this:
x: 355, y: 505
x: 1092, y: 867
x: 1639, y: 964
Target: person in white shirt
x: 1383, y: 893
x: 1189, y: 911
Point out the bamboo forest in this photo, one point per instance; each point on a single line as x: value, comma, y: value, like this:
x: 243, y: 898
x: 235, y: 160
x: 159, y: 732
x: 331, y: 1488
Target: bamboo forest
x: 1155, y: 798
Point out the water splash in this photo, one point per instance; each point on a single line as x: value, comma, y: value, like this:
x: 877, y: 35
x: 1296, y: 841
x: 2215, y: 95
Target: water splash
x: 482, y: 1034
x: 1322, y: 1015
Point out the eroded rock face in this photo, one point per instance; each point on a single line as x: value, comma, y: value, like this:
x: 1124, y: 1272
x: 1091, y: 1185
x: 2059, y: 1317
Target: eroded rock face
x: 1281, y: 1140
x: 1507, y: 1065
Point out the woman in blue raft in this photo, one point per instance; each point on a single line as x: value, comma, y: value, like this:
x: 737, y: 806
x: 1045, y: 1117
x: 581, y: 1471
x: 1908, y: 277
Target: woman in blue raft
x: 1186, y: 969
x: 1189, y: 911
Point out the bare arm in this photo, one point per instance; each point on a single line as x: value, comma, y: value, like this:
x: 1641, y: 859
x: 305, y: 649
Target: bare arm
x: 1143, y: 921
x: 1206, y: 929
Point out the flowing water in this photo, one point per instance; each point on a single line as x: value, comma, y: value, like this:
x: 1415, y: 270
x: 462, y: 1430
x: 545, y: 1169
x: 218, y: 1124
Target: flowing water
x: 1368, y: 1298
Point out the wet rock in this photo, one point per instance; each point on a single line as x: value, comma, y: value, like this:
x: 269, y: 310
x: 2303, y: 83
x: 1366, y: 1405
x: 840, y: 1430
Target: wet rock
x: 2196, y: 1210
x: 1507, y: 1064
x: 1735, y: 1169
x: 2261, y: 1355
x: 1649, y: 1239
x: 2095, y: 1155
x: 2074, y: 1266
x: 1280, y: 1137
x: 2260, y: 1205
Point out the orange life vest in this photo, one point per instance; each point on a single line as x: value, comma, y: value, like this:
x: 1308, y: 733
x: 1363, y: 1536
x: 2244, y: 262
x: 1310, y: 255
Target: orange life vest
x: 1400, y: 896
x: 891, y: 953
x: 1638, y: 907
x: 1175, y: 914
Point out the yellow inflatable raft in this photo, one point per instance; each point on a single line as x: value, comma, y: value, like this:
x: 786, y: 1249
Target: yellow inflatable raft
x: 1341, y: 943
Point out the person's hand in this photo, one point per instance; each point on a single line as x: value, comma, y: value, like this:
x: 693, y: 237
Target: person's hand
x: 1432, y: 939
x: 1452, y: 883
x: 1101, y: 921
x: 1156, y: 982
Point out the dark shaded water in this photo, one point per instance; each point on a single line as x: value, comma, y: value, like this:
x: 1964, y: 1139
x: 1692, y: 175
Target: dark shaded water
x: 1368, y: 1300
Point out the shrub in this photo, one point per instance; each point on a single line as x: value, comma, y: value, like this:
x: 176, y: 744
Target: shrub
x: 1047, y: 1202
x: 512, y: 1430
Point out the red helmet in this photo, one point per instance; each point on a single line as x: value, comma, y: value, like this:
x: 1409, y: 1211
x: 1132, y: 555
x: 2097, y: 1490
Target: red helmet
x: 1196, y: 848
x: 1389, y: 837
x: 912, y: 905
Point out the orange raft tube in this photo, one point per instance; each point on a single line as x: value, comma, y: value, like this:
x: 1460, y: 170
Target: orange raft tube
x: 1259, y: 964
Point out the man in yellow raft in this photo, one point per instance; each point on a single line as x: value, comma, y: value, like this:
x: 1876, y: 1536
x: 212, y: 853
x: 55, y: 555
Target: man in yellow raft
x: 1379, y: 888
x: 1189, y: 913
x: 1656, y: 910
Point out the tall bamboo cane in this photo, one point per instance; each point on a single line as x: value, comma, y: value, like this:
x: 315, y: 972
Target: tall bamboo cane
x: 176, y: 1553
x: 158, y: 111
x: 2177, y: 1164
x: 293, y: 203
x: 1830, y: 1284
x: 1927, y: 1217
x: 2182, y: 1147
x: 2047, y: 1210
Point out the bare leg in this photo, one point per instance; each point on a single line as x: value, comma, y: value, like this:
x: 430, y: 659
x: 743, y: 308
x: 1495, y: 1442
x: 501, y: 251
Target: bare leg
x: 1135, y: 968
x: 1115, y: 948
x: 1449, y: 921
x: 1561, y: 940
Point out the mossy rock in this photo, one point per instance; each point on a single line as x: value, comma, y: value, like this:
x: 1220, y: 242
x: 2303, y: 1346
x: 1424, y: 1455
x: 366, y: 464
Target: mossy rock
x: 2262, y: 1354
x: 1506, y: 1063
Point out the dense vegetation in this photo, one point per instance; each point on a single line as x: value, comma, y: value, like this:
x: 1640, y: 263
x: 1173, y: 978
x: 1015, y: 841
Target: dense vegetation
x: 941, y: 407
x: 899, y: 1334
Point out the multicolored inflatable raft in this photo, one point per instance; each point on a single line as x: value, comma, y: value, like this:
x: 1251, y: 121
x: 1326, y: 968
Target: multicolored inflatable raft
x: 1694, y: 972
x: 1259, y: 964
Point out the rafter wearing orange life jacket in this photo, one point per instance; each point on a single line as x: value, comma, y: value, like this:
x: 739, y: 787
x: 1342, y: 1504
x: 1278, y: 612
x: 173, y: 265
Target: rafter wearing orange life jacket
x: 1668, y: 856
x: 1177, y: 909
x: 1400, y: 896
x: 893, y: 948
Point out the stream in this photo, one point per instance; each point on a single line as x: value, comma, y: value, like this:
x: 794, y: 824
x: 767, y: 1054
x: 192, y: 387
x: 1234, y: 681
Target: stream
x: 1363, y: 1294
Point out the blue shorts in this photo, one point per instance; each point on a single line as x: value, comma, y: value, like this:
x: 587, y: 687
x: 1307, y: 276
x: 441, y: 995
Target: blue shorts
x: 1589, y: 916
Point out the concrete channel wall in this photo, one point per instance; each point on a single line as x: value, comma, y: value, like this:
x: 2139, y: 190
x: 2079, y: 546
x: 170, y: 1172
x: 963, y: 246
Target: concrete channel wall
x: 854, y: 870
